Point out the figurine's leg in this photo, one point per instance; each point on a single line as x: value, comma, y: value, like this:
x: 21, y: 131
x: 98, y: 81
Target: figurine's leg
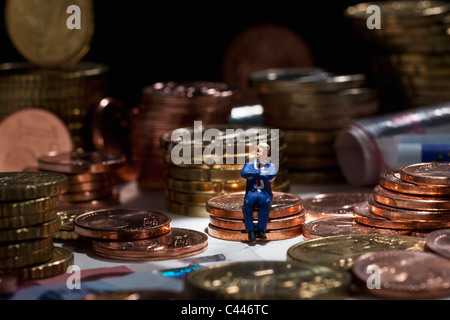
x: 247, y: 209
x: 265, y: 205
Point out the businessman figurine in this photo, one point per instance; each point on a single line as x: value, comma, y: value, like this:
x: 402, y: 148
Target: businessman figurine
x: 259, y: 174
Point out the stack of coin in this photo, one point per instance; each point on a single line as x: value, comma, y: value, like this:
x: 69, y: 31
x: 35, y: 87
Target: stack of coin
x: 28, y: 222
x: 227, y: 221
x: 168, y: 106
x: 70, y: 93
x: 202, y: 176
x: 411, y: 50
x: 415, y: 197
x: 90, y: 178
x: 311, y: 106
x: 137, y: 235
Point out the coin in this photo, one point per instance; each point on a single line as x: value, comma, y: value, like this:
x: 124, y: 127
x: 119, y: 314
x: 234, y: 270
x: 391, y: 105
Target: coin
x: 16, y: 249
x: 136, y: 295
x: 39, y: 30
x: 237, y: 235
x: 439, y: 242
x: 58, y: 264
x: 27, y: 134
x: 405, y: 274
x: 252, y: 51
x: 18, y: 186
x: 230, y: 205
x: 430, y: 174
x: 74, y: 163
x: 392, y: 180
x: 18, y: 222
x: 176, y: 244
x: 40, y: 256
x: 267, y: 280
x: 341, y: 251
x: 436, y: 218
x: 39, y: 231
x: 272, y: 224
x: 364, y: 216
x: 122, y: 224
x: 27, y: 207
x: 336, y: 226
x: 405, y: 201
x: 337, y: 204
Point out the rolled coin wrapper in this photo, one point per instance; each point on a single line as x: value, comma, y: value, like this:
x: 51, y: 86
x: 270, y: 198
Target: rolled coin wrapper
x: 364, y: 147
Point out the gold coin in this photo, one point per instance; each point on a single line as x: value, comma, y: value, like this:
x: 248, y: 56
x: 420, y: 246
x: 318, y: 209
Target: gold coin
x: 40, y: 30
x: 28, y: 220
x: 27, y: 207
x: 58, y: 264
x: 31, y: 258
x: 16, y: 249
x: 271, y: 280
x: 341, y: 251
x: 28, y: 233
x: 18, y: 186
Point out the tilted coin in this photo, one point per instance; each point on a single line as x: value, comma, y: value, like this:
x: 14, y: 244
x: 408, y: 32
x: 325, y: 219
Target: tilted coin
x: 392, y: 180
x: 122, y: 224
x: 430, y: 174
x: 404, y: 274
x: 439, y: 242
x: 40, y: 31
x: 406, y: 201
x: 17, y: 186
x: 230, y: 206
x: 271, y: 280
x: 27, y: 134
x: 176, y: 244
x: 74, y: 163
x: 364, y: 216
x: 337, y: 226
x: 58, y: 264
x: 342, y: 251
x: 334, y: 204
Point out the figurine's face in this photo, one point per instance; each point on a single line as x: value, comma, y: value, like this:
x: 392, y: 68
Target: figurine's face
x: 261, y: 154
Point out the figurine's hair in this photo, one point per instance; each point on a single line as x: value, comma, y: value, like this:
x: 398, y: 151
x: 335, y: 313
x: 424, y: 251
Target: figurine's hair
x: 264, y: 146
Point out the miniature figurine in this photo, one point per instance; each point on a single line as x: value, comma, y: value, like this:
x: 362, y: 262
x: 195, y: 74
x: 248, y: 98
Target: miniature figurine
x: 259, y: 174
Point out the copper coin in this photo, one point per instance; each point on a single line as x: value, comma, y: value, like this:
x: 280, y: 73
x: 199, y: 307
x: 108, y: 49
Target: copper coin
x: 85, y: 195
x: 364, y: 216
x: 252, y: 50
x: 235, y: 235
x: 176, y: 244
x: 339, y: 204
x: 97, y: 204
x: 405, y: 201
x: 230, y: 205
x: 73, y: 163
x: 439, y: 242
x: 122, y: 224
x: 429, y: 174
x: 337, y: 226
x: 392, y: 180
x: 272, y: 224
x: 403, y: 274
x: 27, y: 134
x: 440, y: 219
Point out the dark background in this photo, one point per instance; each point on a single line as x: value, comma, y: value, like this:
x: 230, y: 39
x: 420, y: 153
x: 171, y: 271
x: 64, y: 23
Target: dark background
x: 145, y: 42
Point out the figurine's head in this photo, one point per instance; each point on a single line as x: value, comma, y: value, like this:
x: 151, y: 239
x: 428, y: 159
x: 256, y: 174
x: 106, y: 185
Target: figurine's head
x: 262, y: 152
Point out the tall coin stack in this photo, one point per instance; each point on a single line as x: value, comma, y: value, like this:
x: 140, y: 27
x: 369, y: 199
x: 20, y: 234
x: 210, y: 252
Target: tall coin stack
x: 69, y: 92
x: 311, y: 106
x: 90, y: 178
x: 227, y: 221
x: 411, y: 50
x: 28, y: 222
x: 167, y: 106
x: 415, y: 197
x: 188, y: 186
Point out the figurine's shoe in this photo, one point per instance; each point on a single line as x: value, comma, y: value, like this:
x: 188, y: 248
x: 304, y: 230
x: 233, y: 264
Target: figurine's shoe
x: 261, y: 235
x: 252, y: 235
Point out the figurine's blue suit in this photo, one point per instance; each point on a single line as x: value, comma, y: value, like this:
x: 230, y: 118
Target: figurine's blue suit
x: 258, y: 193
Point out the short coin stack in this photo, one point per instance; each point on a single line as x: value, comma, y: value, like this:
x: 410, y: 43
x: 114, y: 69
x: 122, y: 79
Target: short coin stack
x: 168, y: 106
x: 227, y: 221
x: 410, y: 50
x: 189, y: 186
x: 137, y: 235
x: 90, y: 178
x: 311, y: 106
x: 28, y: 222
x: 415, y: 197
